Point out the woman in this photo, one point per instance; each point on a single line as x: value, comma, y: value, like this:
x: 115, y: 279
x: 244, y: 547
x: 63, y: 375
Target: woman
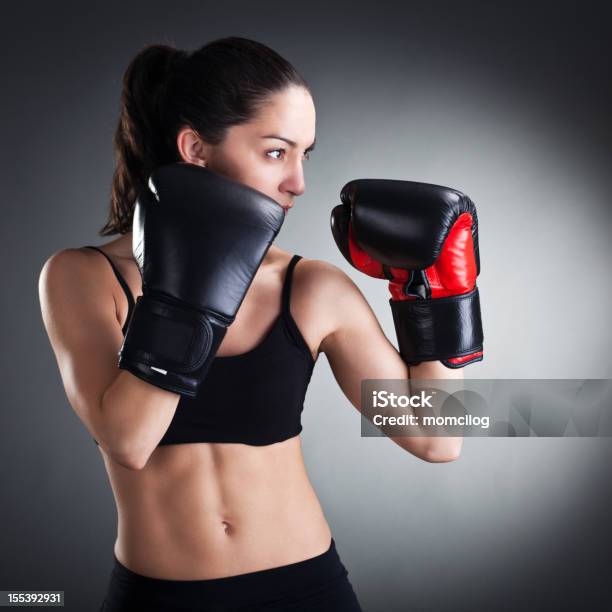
x: 227, y: 525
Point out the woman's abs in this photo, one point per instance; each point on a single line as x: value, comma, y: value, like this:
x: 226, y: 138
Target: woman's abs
x: 202, y: 511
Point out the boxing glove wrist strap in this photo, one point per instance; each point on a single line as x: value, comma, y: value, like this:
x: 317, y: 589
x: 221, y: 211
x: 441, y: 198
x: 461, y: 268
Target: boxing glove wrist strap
x: 439, y: 329
x: 170, y: 345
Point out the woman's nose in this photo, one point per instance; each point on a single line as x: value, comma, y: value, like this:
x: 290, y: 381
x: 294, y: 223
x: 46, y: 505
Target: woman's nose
x: 295, y: 183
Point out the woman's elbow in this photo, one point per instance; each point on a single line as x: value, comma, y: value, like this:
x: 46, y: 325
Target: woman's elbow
x: 128, y: 458
x: 435, y: 455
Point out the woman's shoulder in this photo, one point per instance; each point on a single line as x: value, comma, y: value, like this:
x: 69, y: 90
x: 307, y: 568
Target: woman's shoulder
x: 73, y: 271
x: 321, y: 276
x: 321, y: 286
x: 78, y: 261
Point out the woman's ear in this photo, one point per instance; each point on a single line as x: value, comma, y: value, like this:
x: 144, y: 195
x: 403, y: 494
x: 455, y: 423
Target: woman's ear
x: 191, y: 147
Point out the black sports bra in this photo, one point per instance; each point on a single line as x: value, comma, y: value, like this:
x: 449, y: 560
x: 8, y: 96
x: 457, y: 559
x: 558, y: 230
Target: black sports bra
x: 253, y: 398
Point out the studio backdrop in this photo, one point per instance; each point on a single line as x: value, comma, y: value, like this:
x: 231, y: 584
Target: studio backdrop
x: 507, y: 102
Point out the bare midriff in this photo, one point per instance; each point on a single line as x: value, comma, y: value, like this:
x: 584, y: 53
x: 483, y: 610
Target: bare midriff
x: 209, y: 510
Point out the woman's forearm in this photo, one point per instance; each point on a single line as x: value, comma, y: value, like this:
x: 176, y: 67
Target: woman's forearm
x: 440, y: 449
x: 135, y: 414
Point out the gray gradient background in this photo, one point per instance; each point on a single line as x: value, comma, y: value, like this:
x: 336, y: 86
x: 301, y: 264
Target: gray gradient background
x: 507, y: 102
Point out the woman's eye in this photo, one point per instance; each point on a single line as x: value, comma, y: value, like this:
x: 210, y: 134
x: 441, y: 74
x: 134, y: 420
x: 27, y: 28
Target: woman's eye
x: 306, y: 155
x: 276, y: 151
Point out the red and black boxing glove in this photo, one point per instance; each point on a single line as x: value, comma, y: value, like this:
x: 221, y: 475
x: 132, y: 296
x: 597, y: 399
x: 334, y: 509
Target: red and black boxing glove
x: 424, y: 239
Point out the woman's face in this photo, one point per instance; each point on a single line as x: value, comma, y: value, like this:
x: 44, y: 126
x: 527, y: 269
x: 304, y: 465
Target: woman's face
x: 268, y: 153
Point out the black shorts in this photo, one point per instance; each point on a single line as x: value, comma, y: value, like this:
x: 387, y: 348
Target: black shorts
x: 319, y: 584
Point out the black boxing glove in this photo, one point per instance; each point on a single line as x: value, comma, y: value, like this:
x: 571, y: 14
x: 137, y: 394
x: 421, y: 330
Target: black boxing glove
x: 424, y: 239
x: 198, y: 239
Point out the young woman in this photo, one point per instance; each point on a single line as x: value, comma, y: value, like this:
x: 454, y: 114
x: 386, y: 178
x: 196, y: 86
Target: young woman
x: 203, y: 522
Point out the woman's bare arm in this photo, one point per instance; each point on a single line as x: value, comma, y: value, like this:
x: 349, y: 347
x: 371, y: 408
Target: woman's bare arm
x: 442, y: 449
x: 126, y: 415
x: 357, y: 349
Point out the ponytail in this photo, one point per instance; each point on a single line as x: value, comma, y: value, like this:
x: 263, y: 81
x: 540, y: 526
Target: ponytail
x: 138, y: 142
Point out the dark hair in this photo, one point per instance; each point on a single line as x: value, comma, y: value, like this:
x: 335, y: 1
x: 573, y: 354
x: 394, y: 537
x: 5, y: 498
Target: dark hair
x: 222, y: 84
